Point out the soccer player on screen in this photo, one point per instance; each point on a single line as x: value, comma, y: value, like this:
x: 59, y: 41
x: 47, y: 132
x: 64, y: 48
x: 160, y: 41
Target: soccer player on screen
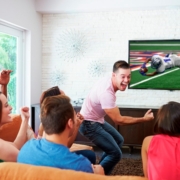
x: 160, y: 64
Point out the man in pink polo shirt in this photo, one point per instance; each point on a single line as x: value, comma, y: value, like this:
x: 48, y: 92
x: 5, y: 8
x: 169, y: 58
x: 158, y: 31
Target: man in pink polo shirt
x: 101, y: 101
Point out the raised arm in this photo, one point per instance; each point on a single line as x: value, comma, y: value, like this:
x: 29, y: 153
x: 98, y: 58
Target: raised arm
x: 144, y: 64
x: 21, y: 137
x: 115, y: 115
x: 4, y: 80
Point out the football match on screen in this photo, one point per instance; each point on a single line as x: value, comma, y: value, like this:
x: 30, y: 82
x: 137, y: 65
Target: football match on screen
x: 155, y: 64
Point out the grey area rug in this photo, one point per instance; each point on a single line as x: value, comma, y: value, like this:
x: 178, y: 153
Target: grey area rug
x: 128, y: 166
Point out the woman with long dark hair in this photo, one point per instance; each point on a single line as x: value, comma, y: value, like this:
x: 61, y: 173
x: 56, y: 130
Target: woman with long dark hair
x: 161, y: 152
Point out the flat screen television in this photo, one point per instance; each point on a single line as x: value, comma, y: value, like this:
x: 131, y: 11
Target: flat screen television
x: 166, y: 54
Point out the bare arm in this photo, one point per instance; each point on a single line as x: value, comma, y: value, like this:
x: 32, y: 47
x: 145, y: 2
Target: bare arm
x: 115, y: 115
x: 8, y: 152
x: 21, y: 137
x: 4, y: 80
x: 148, y: 59
x: 151, y: 74
x: 144, y: 154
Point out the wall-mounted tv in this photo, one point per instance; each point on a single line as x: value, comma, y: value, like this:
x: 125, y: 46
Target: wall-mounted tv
x: 155, y: 64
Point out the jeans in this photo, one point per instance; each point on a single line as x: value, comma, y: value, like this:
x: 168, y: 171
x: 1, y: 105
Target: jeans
x: 107, y: 138
x: 88, y: 154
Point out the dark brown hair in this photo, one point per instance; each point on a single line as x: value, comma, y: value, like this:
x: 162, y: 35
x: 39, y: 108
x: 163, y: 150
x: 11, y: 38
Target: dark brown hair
x: 55, y: 113
x: 168, y: 119
x: 120, y: 64
x: 53, y: 91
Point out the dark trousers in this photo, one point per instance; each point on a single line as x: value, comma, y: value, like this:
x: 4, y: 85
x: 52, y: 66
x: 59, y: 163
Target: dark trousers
x: 107, y: 138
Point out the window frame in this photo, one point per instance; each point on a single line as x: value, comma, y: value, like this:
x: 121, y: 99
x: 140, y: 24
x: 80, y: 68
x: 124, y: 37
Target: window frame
x: 20, y: 66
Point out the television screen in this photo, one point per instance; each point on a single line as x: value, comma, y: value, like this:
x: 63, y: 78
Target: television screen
x: 155, y: 64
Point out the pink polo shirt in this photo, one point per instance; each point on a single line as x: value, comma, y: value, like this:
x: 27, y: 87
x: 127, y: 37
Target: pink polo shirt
x: 102, y: 96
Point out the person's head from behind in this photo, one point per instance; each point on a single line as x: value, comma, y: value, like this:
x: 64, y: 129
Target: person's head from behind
x: 168, y: 119
x: 121, y: 75
x: 57, y: 116
x: 53, y: 91
x: 5, y: 110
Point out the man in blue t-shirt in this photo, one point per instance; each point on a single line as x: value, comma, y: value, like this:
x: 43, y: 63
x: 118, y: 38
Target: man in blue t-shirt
x: 61, y: 125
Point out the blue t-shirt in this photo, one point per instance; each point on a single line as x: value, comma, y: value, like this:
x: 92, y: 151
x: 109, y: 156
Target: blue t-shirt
x: 45, y: 153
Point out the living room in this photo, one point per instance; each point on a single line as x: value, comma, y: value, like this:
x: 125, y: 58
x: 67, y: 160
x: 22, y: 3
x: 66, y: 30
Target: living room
x: 94, y: 35
x: 104, y: 34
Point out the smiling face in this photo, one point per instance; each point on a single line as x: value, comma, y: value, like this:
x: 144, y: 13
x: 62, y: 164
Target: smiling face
x: 6, y: 110
x: 121, y: 79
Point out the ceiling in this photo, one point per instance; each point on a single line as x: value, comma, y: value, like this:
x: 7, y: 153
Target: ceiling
x: 76, y: 6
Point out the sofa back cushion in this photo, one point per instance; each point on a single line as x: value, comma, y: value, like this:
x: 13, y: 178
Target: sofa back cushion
x: 16, y: 171
x: 9, y: 131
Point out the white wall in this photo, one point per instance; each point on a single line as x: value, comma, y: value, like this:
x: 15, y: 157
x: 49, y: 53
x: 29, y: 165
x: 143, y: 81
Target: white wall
x: 79, y: 6
x: 77, y: 45
x: 104, y: 38
x: 22, y: 13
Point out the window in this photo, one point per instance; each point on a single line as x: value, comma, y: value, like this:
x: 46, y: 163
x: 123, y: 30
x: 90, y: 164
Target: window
x: 11, y: 57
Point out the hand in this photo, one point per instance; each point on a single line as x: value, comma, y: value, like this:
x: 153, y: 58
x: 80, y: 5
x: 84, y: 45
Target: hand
x: 79, y: 118
x: 98, y: 169
x: 149, y: 115
x: 24, y: 113
x: 142, y: 71
x: 5, y: 77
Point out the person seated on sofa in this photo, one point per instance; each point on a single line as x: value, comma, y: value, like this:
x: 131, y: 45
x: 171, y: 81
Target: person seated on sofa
x: 9, y: 150
x: 10, y: 122
x: 161, y: 152
x: 61, y: 125
x: 53, y: 91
